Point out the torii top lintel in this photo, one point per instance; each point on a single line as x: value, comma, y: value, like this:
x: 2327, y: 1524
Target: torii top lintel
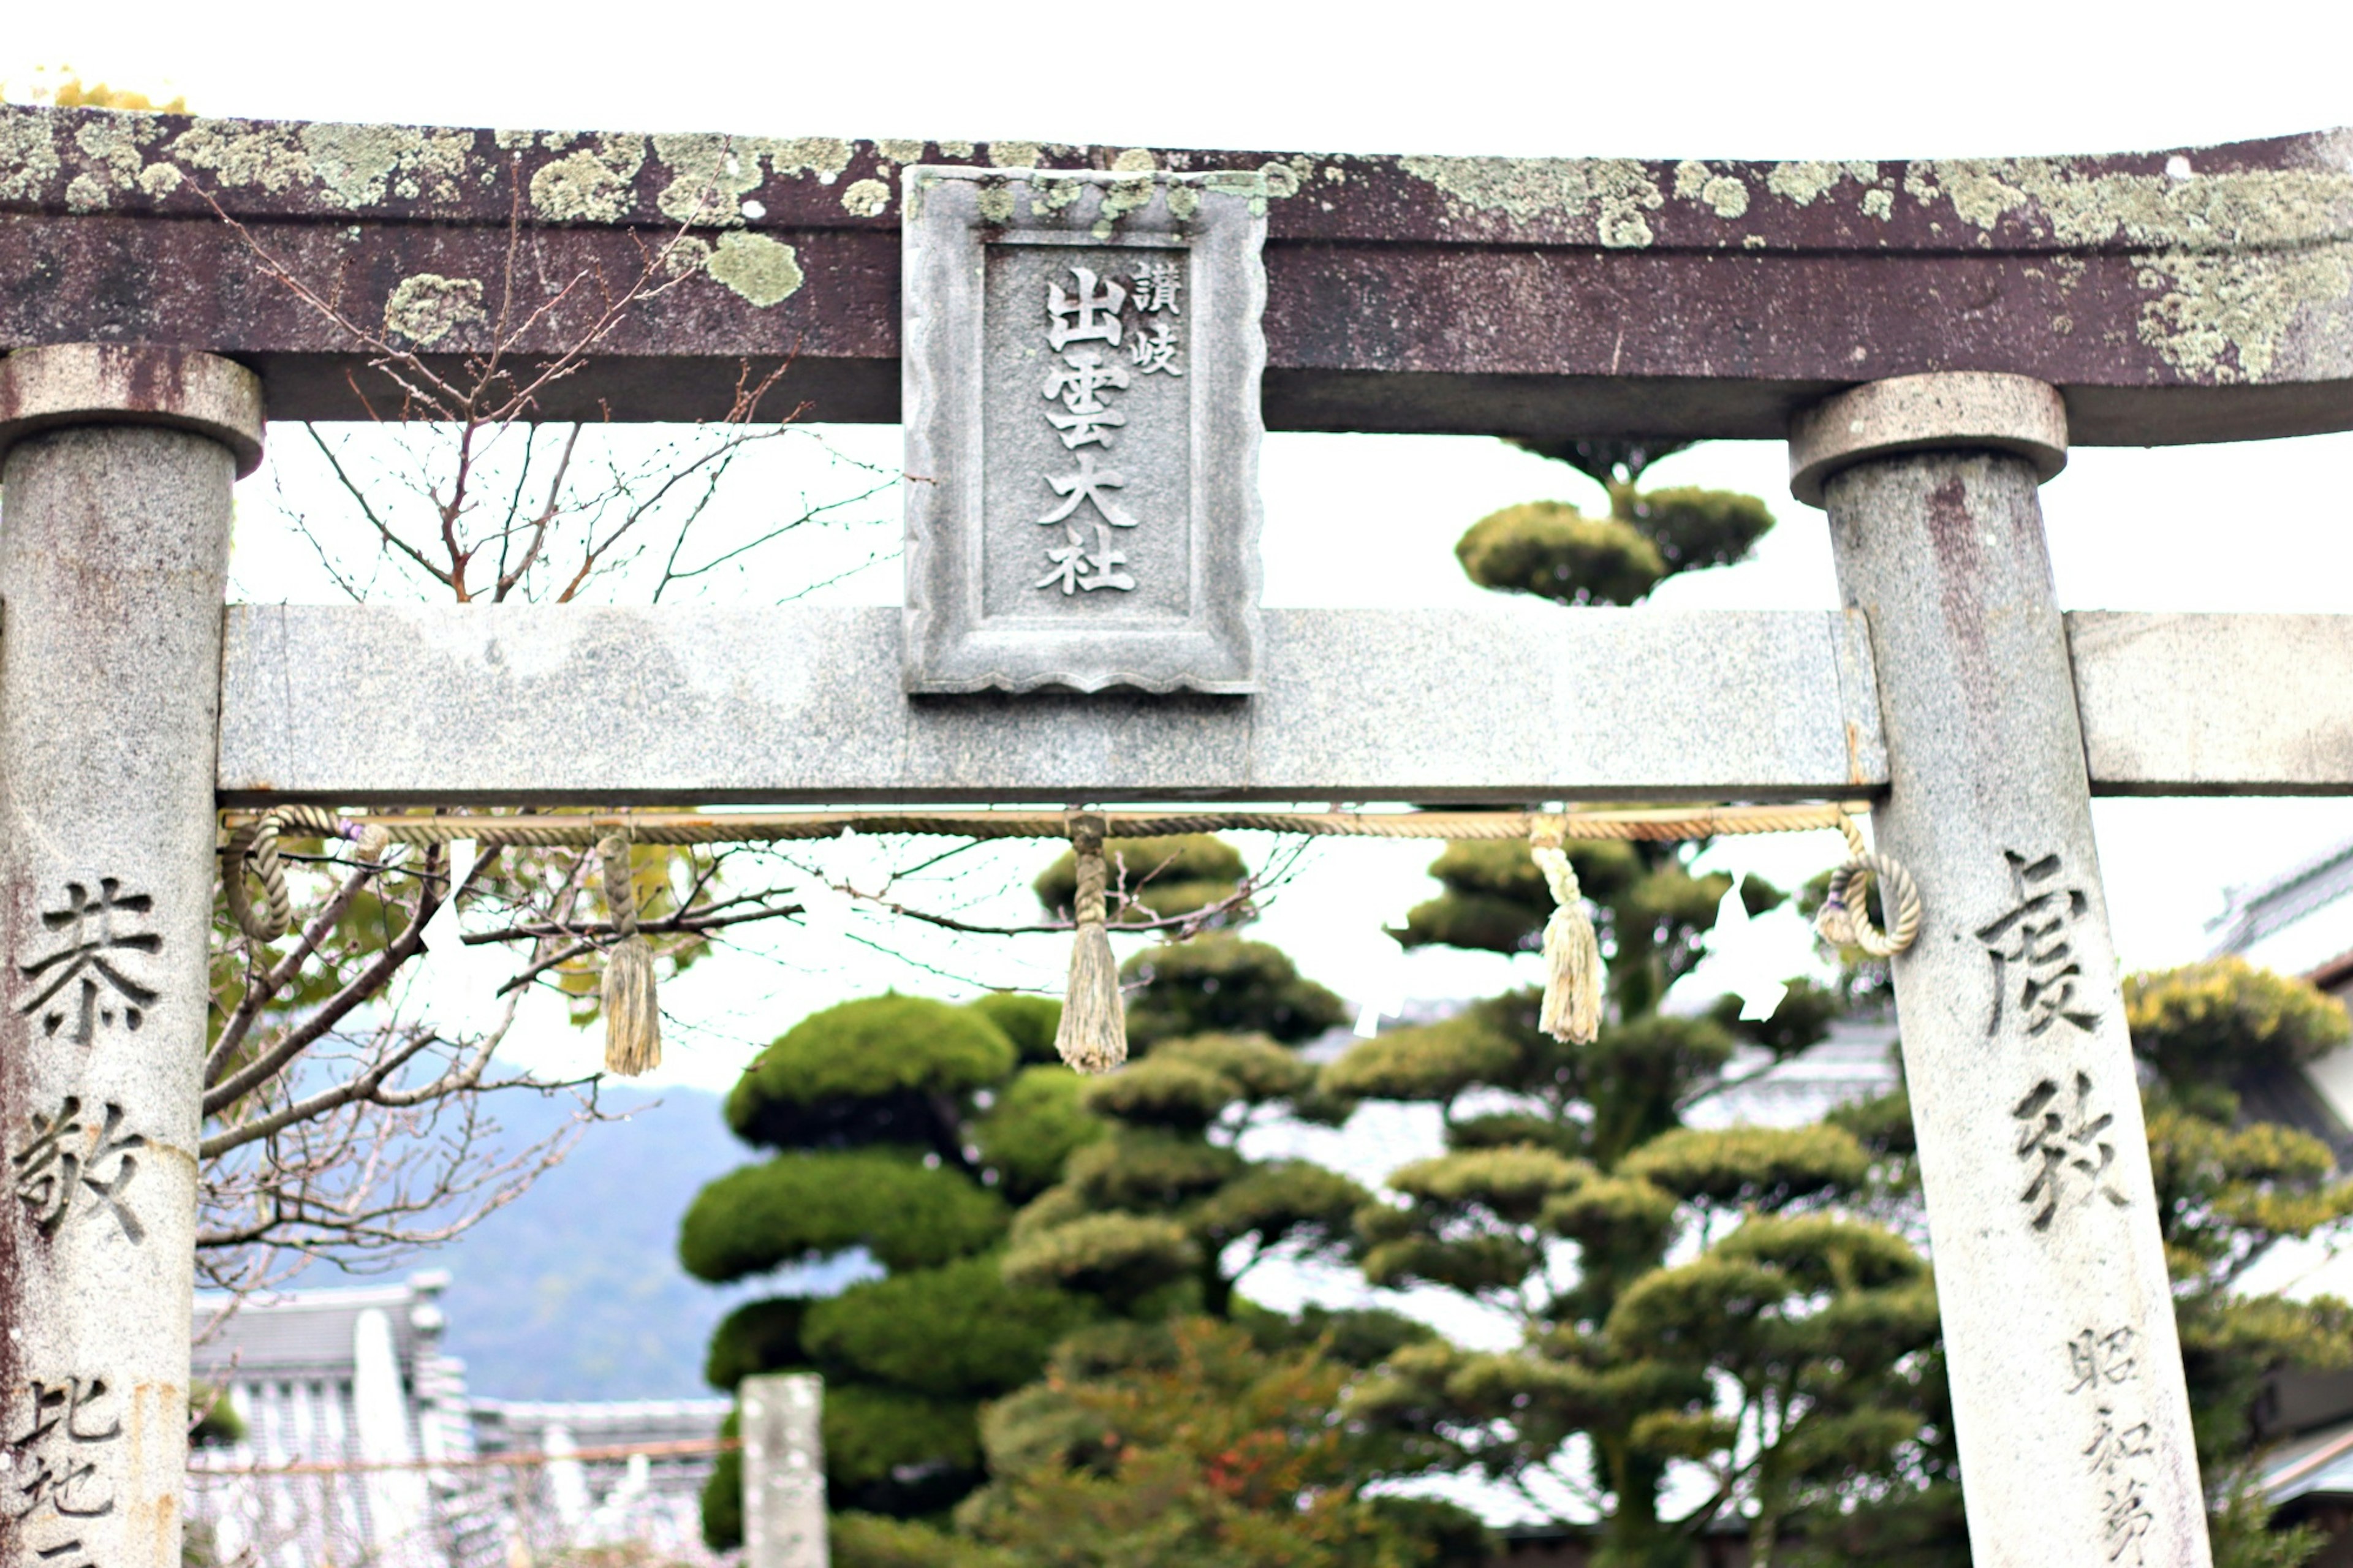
x: 2197, y: 295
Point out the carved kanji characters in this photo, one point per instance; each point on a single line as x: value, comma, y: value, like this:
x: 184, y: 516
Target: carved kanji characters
x: 47, y: 1465
x: 2064, y: 1151
x: 2031, y: 947
x: 1158, y: 286
x: 1088, y: 483
x: 1075, y: 567
x: 1081, y: 374
x: 1090, y: 313
x: 90, y: 944
x: 1154, y: 350
x: 60, y: 1159
x: 2094, y: 1357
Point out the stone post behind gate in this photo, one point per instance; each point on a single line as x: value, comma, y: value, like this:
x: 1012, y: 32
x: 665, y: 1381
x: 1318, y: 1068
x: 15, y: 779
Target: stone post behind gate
x: 114, y: 534
x: 783, y: 1471
x: 2069, y: 1406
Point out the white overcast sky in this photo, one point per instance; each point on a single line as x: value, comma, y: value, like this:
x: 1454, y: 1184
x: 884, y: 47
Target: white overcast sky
x: 1370, y: 519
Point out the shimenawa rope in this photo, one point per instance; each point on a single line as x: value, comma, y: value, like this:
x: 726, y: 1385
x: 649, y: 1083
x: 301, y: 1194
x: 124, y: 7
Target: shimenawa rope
x: 1093, y: 1033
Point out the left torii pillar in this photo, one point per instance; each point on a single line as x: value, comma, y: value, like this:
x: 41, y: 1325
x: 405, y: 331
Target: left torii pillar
x: 114, y: 539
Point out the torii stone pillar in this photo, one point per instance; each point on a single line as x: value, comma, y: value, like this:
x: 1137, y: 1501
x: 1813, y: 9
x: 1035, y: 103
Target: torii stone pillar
x: 2068, y: 1399
x: 114, y: 534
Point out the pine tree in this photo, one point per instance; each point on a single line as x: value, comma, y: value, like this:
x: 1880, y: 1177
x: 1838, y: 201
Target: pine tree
x: 900, y: 1126
x: 1782, y: 1350
x: 1165, y: 1214
x: 1571, y: 1180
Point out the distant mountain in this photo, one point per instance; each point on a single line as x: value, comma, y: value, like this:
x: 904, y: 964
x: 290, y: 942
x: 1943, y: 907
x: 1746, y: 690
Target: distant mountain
x: 573, y: 1290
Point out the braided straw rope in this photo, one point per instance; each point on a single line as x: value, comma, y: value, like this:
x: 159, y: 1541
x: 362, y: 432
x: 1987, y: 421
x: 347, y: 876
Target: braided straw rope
x: 256, y: 838
x: 1845, y: 921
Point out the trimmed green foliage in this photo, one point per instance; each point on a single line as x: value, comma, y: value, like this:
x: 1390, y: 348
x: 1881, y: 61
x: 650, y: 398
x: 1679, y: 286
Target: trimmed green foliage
x: 1276, y: 1202
x: 959, y: 1331
x: 1032, y: 1129
x: 1117, y: 1256
x: 867, y: 1071
x: 1512, y: 1184
x: 1695, y: 529
x: 1029, y: 1021
x: 893, y: 1450
x: 723, y: 1492
x: 1258, y: 1070
x: 1181, y: 1095
x: 1428, y: 1061
x: 874, y: 1105
x: 1159, y: 877
x: 1166, y: 1212
x: 1360, y: 1337
x: 758, y: 1336
x: 1750, y: 1167
x: 1222, y: 984
x: 2219, y: 1020
x: 1146, y: 1169
x: 1551, y: 549
x: 801, y: 1207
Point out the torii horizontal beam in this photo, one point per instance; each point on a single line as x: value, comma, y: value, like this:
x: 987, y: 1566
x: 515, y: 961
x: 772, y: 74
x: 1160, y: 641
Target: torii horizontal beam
x: 575, y: 705
x: 2198, y: 295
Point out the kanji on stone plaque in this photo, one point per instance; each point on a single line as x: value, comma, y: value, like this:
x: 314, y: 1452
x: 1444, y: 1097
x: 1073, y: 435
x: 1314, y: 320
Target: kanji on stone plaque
x: 1081, y: 371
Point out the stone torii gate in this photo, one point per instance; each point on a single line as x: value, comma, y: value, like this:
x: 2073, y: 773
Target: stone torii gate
x: 1930, y: 338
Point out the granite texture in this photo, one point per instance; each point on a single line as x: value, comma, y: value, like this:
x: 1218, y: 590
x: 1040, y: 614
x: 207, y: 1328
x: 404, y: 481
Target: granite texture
x: 2058, y: 1316
x: 2215, y: 704
x: 1084, y: 512
x: 783, y: 1471
x: 1513, y: 702
x: 65, y: 385
x: 1954, y: 411
x: 113, y: 551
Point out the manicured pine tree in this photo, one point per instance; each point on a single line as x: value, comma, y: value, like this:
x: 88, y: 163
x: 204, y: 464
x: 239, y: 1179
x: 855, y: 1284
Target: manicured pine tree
x: 900, y: 1126
x: 1779, y: 1351
x: 1165, y: 1214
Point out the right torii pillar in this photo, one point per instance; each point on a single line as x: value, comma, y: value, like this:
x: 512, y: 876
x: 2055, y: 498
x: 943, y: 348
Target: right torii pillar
x: 2068, y: 1399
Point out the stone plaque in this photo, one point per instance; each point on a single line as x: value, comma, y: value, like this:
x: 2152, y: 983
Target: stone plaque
x: 1081, y: 358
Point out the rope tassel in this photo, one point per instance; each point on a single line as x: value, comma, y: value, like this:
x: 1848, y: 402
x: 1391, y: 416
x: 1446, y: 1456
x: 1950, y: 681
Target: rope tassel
x: 1573, y: 973
x: 1093, y: 1033
x: 632, y: 1015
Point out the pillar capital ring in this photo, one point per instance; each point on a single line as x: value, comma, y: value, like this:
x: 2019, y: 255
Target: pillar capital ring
x: 57, y: 385
x: 1946, y: 411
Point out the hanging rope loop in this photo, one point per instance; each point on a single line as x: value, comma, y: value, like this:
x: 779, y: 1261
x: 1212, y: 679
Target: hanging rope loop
x: 1844, y: 918
x: 255, y: 842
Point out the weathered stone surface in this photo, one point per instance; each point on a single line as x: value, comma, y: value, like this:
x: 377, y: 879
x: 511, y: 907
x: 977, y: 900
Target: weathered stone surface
x: 1958, y: 411
x: 2196, y: 294
x: 65, y: 385
x: 2215, y: 704
x: 2068, y: 1400
x: 1511, y: 704
x: 113, y: 551
x: 1516, y: 703
x: 1082, y: 373
x: 783, y: 1471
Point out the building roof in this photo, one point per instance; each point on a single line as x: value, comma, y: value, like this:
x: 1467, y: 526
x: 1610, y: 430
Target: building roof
x: 2261, y: 910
